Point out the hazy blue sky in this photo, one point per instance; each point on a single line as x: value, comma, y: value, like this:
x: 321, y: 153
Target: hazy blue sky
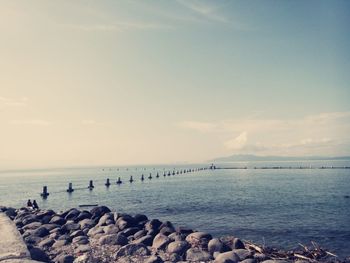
x: 122, y: 82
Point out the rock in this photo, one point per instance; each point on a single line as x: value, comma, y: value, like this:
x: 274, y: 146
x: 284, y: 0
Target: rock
x: 57, y: 220
x: 70, y: 226
x: 33, y: 225
x: 153, y: 224
x: 140, y: 218
x: 87, y: 223
x: 72, y: 214
x: 113, y: 239
x: 41, y: 232
x: 64, y: 259
x: 196, y: 254
x: 275, y: 261
x: 38, y: 254
x: 29, y: 219
x: 48, y: 242
x: 130, y: 231
x: 32, y: 239
x: 183, y: 230
x: 133, y: 250
x: 60, y: 243
x: 215, y: 245
x: 160, y: 241
x: 153, y: 259
x: 77, y: 233
x: 110, y: 229
x: 227, y: 257
x: 178, y: 247
x: 65, y: 237
x: 95, y: 230
x: 199, y: 239
x: 176, y: 237
x: 83, y: 249
x: 81, y: 240
x: 83, y: 215
x: 238, y: 244
x: 99, y: 211
x: 260, y: 257
x: 231, y: 243
x: 11, y: 212
x: 252, y: 260
x: 45, y: 213
x: 146, y: 240
x: 139, y: 234
x: 50, y: 227
x: 243, y: 253
x: 167, y: 230
x: 108, y: 217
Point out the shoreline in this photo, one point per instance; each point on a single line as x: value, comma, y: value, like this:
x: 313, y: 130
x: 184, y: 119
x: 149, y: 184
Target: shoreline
x: 100, y: 235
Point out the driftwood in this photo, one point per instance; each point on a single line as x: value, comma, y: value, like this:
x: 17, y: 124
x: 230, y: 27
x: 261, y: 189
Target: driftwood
x: 312, y: 254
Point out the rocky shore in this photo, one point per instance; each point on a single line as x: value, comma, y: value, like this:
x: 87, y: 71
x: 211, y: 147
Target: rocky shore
x: 100, y: 235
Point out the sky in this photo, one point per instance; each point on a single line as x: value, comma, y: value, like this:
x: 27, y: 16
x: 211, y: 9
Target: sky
x: 153, y: 82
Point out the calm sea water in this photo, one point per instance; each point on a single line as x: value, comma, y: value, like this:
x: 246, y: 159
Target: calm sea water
x: 272, y: 207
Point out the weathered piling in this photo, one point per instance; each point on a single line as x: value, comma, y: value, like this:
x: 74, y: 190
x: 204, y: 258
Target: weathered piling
x: 150, y: 176
x: 119, y: 181
x: 142, y: 177
x: 107, y: 182
x: 131, y: 179
x: 164, y: 174
x: 91, y: 185
x: 70, y: 188
x: 45, y: 193
x: 157, y: 175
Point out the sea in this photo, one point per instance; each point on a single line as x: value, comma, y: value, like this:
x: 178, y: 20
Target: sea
x: 272, y: 207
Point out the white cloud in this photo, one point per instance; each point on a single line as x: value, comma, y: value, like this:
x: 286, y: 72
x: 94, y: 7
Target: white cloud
x: 237, y: 143
x: 325, y: 133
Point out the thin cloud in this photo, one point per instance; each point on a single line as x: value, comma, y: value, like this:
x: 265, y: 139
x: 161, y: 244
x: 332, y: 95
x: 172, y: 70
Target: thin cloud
x: 12, y: 102
x: 36, y: 122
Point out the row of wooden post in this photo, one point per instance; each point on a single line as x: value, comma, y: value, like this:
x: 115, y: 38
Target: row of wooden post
x: 91, y: 186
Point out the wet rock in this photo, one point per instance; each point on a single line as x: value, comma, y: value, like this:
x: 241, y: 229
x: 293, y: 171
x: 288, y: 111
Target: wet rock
x: 146, y: 240
x: 231, y: 243
x: 29, y: 219
x: 64, y: 259
x: 50, y: 227
x: 11, y: 212
x: 38, y: 254
x: 45, y: 213
x: 227, y: 257
x: 41, y: 232
x: 196, y: 255
x: 243, y: 253
x: 252, y: 260
x: 167, y: 230
x: 99, y: 211
x: 178, y: 247
x: 32, y: 240
x: 57, y: 220
x: 133, y: 250
x: 113, y: 239
x: 160, y: 241
x: 183, y: 230
x: 215, y: 245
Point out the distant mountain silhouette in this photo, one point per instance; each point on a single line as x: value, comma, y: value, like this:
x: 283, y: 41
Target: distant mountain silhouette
x: 254, y: 158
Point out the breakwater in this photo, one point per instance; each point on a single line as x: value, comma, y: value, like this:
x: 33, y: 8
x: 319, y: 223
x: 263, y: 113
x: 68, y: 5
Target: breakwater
x: 101, y: 235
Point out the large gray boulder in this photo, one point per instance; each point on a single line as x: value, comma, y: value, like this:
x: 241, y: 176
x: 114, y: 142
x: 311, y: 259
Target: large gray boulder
x: 133, y: 250
x: 227, y: 257
x: 197, y: 255
x: 113, y: 239
x: 178, y: 247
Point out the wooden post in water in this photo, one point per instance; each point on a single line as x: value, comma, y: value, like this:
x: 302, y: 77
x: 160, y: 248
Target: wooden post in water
x: 44, y: 194
x: 142, y: 177
x: 91, y: 185
x: 70, y: 188
x: 157, y: 175
x: 150, y: 176
x: 107, y: 183
x: 119, y: 181
x: 131, y: 179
